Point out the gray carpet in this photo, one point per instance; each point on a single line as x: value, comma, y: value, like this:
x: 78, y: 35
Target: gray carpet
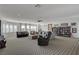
x: 27, y: 46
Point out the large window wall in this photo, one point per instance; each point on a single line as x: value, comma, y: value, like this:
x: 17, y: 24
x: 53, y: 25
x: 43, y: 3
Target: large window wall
x: 33, y: 28
x: 8, y: 27
x: 29, y: 27
x: 15, y: 28
x: 23, y: 27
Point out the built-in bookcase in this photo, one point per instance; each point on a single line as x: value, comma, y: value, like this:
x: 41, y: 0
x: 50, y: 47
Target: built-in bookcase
x: 62, y: 31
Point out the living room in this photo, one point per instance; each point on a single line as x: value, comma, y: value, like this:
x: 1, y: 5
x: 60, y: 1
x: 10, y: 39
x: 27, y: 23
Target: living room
x: 39, y: 29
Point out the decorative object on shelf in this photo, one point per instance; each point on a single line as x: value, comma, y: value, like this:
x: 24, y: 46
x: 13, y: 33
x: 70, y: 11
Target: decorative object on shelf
x: 56, y: 25
x: 74, y: 30
x: 73, y: 24
x: 64, y: 24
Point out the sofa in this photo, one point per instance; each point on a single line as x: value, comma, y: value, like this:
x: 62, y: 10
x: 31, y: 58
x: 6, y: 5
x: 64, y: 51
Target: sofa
x: 44, y: 38
x: 2, y: 42
x: 22, y: 34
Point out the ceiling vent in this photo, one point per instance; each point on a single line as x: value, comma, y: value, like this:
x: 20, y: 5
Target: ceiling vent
x: 39, y: 20
x: 38, y: 5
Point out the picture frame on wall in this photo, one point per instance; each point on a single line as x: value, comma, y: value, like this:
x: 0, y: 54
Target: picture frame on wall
x: 74, y: 30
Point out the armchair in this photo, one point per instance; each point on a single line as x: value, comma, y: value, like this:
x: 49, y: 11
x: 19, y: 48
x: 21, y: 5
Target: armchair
x: 43, y: 40
x: 2, y: 42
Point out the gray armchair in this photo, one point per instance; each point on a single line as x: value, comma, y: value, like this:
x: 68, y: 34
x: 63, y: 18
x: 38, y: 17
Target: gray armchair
x: 2, y: 42
x: 43, y: 40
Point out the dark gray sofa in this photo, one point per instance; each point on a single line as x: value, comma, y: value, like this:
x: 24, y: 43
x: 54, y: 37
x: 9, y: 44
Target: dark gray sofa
x: 22, y: 34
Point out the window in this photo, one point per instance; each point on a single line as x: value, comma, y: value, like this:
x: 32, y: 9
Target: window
x: 11, y: 28
x: 28, y: 26
x: 7, y: 28
x: 33, y: 28
x: 3, y: 28
x: 15, y: 28
x: 23, y: 27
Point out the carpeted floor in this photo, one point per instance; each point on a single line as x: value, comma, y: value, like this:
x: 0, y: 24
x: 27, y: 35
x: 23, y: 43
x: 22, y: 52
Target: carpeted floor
x: 27, y: 46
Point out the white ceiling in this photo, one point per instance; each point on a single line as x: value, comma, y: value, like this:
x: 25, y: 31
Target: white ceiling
x: 30, y: 13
